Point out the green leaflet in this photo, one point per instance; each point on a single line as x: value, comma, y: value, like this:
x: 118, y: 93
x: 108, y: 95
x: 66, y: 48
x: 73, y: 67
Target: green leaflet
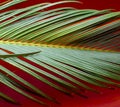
x: 19, y: 11
x: 36, y: 90
x: 17, y: 55
x: 31, y: 12
x: 25, y: 25
x: 7, y: 83
x: 13, y: 2
x: 82, y: 25
x: 7, y: 98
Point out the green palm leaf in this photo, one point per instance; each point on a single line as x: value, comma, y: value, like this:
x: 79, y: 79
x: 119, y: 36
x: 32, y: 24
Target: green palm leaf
x: 64, y: 41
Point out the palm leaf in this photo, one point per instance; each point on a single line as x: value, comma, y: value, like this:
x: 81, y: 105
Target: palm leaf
x: 75, y: 46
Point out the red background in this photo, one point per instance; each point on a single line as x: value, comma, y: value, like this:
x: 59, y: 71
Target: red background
x: 109, y: 98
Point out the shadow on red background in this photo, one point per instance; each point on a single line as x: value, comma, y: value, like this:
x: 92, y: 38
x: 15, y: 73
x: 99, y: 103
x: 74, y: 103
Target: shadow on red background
x: 109, y: 98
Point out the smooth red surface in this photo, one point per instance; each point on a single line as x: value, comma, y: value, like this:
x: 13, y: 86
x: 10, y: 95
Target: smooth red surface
x: 109, y: 97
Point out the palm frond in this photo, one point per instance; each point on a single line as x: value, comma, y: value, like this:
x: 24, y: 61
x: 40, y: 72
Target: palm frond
x: 70, y: 44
